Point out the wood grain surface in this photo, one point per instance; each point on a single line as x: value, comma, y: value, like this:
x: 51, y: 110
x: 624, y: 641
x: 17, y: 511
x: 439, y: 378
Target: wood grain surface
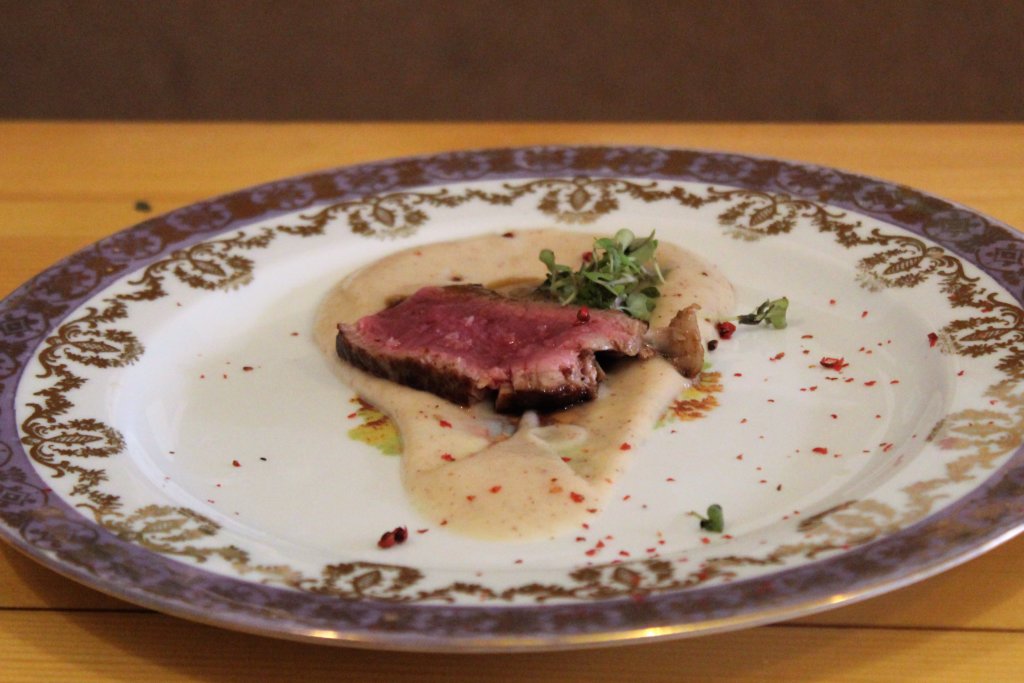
x: 63, y: 186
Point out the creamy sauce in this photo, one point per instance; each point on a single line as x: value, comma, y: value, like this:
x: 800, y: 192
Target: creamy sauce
x: 496, y: 477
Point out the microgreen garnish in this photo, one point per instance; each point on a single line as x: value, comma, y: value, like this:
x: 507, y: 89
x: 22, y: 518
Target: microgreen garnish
x: 620, y: 273
x: 772, y: 311
x: 715, y: 521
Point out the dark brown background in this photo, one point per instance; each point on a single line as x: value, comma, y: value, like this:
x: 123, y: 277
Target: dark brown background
x: 517, y: 59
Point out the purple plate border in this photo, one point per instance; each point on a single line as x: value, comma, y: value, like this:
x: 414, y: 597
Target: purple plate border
x: 49, y: 530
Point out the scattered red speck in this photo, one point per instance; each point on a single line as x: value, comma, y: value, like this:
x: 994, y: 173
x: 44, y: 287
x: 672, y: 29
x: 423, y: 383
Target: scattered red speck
x: 576, y: 497
x: 591, y: 552
x: 705, y: 540
x: 422, y: 531
x: 832, y: 302
x: 960, y: 374
x: 495, y: 489
x: 582, y: 315
x: 246, y: 368
x: 210, y: 500
x: 625, y: 446
x: 886, y: 447
x: 831, y: 363
x: 623, y: 553
x: 807, y: 336
x: 508, y: 235
x: 895, y: 381
x: 600, y: 544
x: 870, y: 383
x: 295, y: 334
x: 992, y: 402
x: 771, y: 400
x: 743, y: 421
x: 566, y: 459
x: 581, y: 539
x: 814, y: 388
x: 445, y: 423
x: 670, y: 479
x: 444, y: 522
x: 651, y: 550
x: 352, y: 416
x: 932, y: 339
x: 725, y: 329
x: 779, y: 356
x: 626, y: 497
x: 202, y: 376
x: 820, y: 450
x: 834, y: 416
x: 864, y: 314
x: 448, y: 457
x: 393, y: 537
x: 235, y: 463
x: 739, y: 457
x: 470, y: 498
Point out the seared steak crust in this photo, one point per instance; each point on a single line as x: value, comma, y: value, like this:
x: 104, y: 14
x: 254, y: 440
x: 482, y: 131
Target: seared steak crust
x: 466, y: 343
x: 412, y: 371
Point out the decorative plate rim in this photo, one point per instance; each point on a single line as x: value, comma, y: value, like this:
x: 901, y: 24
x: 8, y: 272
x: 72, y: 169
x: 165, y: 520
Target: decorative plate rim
x: 47, y: 529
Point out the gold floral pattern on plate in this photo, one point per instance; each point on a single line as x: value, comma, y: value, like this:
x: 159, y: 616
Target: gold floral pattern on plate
x: 751, y: 202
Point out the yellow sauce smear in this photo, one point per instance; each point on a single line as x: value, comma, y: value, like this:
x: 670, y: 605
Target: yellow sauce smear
x: 376, y: 430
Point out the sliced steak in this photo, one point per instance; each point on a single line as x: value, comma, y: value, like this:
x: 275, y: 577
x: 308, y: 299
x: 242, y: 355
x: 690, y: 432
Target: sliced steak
x: 466, y: 343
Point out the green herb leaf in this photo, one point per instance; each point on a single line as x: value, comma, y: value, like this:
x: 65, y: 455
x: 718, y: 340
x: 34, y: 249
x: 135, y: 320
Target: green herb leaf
x: 772, y: 311
x: 621, y: 273
x: 715, y: 521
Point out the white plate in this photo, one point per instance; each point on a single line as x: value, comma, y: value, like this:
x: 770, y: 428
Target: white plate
x: 171, y: 435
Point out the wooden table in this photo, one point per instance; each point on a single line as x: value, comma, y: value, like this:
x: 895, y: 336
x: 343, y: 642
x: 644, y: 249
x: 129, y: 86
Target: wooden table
x: 63, y: 186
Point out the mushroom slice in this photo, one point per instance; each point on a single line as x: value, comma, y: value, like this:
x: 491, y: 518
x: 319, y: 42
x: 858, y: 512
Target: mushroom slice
x: 680, y: 342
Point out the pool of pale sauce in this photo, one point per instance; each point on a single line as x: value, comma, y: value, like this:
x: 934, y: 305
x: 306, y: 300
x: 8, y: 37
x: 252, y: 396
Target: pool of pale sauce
x: 510, y: 477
